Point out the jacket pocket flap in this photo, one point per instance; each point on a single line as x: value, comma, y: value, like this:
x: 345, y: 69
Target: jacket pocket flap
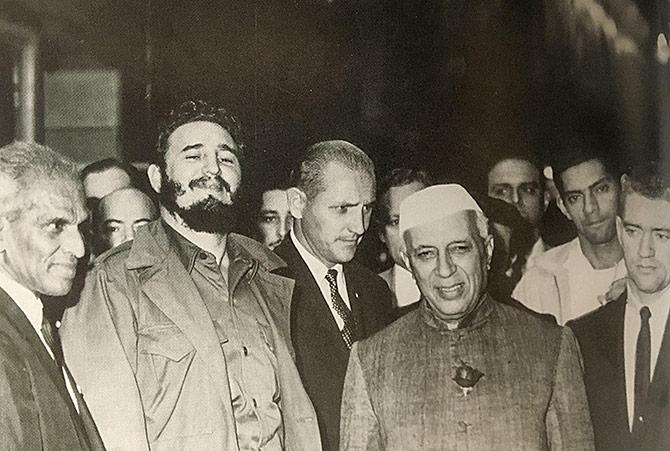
x: 167, y: 341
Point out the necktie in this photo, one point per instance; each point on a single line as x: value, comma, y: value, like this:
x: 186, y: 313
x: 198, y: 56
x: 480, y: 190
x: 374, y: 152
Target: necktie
x: 53, y: 340
x: 349, y: 330
x: 642, y: 367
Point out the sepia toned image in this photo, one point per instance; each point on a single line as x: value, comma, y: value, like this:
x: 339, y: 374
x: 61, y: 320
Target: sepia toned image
x: 335, y: 225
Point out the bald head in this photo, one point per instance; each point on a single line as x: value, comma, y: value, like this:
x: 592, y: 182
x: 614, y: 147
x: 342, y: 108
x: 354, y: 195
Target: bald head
x: 118, y: 216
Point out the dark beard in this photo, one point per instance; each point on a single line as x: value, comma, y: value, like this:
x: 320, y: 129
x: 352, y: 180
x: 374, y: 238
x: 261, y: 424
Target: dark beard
x: 208, y: 215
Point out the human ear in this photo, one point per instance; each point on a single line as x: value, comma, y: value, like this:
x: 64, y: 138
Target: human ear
x: 155, y: 178
x: 297, y: 201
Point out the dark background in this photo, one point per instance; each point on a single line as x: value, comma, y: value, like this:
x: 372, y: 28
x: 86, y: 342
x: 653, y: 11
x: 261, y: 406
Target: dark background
x: 443, y: 84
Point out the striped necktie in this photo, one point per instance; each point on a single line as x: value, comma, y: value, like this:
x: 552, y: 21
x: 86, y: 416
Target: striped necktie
x: 349, y: 329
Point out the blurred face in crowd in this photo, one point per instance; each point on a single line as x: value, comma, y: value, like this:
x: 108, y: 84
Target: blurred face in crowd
x: 644, y: 234
x: 121, y: 213
x: 201, y: 178
x: 590, y: 201
x: 99, y: 184
x: 518, y: 182
x: 449, y: 258
x: 274, y: 219
x: 390, y: 236
x: 332, y: 223
x: 39, y: 246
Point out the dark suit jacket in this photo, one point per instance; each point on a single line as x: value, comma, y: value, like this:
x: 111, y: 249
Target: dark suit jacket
x: 600, y: 336
x: 321, y: 354
x: 36, y: 411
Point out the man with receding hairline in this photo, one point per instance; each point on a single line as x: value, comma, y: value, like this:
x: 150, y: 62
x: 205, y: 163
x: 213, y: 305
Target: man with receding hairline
x: 118, y: 216
x: 335, y: 301
x: 41, y: 210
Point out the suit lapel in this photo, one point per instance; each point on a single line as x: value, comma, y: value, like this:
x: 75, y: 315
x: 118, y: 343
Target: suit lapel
x: 309, y: 295
x: 356, y: 301
x: 611, y: 346
x: 18, y: 319
x: 657, y: 415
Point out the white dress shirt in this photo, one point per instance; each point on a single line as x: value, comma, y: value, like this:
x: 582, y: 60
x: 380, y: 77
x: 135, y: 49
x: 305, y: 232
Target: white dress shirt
x: 404, y: 286
x: 31, y: 306
x: 631, y: 329
x: 319, y: 271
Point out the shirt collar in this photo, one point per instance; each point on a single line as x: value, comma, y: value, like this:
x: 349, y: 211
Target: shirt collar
x: 25, y: 299
x: 316, y: 266
x: 659, y: 309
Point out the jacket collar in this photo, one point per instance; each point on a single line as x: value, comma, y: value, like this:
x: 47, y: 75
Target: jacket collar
x: 152, y: 245
x: 473, y: 320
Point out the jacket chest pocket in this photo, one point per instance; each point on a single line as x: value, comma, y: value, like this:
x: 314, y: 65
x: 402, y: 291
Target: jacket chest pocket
x: 173, y: 386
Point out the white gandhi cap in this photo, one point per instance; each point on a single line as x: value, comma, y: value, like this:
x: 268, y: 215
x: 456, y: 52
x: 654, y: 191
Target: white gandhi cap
x: 433, y: 203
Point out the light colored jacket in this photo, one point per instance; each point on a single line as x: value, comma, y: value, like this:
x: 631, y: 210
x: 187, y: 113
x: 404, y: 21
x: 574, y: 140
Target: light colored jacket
x: 399, y: 392
x: 545, y: 287
x: 144, y: 350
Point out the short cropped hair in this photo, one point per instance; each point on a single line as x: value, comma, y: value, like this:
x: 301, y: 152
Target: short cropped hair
x: 649, y: 180
x: 194, y: 111
x: 21, y: 165
x: 395, y: 178
x: 308, y: 174
x: 581, y: 154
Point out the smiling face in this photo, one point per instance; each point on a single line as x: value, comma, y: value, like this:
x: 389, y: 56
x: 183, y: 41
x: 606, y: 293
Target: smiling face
x: 40, y: 248
x: 644, y: 234
x: 331, y: 225
x: 589, y: 199
x: 274, y: 219
x: 518, y: 183
x: 201, y: 178
x: 448, y: 259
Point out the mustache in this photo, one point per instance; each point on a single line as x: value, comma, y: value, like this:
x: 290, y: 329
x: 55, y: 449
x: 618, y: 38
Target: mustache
x: 217, y: 182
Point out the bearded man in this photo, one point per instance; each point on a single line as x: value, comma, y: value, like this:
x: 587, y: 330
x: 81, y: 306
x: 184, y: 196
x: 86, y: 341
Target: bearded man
x: 181, y: 337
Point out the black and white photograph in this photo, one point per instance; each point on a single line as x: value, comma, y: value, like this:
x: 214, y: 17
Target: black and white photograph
x: 334, y: 225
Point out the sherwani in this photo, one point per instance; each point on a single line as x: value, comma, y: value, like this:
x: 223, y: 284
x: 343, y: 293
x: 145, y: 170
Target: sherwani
x: 399, y: 393
x: 145, y: 352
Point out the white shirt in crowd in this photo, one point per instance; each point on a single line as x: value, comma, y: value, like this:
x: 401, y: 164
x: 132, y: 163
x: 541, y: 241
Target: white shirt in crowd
x: 631, y: 328
x: 588, y: 285
x: 404, y: 287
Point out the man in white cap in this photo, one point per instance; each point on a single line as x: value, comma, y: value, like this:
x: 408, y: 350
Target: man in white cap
x: 462, y: 371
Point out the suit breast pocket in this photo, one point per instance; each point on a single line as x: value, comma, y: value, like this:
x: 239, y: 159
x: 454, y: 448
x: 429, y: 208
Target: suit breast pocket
x: 173, y: 386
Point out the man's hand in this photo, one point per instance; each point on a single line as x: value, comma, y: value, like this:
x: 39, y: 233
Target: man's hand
x: 615, y: 290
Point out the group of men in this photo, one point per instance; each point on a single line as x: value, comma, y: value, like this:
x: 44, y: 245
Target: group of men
x: 188, y: 335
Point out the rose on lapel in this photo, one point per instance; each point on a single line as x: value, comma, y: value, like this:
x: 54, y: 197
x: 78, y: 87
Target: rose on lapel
x: 466, y: 377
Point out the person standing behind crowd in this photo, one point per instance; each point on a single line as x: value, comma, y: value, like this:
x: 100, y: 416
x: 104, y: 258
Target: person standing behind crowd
x: 572, y: 279
x: 118, y: 216
x: 102, y: 177
x: 626, y: 343
x: 335, y: 301
x: 517, y: 180
x: 393, y: 189
x: 41, y: 210
x: 462, y: 371
x: 181, y: 338
x: 268, y: 218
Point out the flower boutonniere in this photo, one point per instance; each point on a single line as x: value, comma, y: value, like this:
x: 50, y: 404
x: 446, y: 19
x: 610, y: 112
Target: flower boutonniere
x: 466, y: 377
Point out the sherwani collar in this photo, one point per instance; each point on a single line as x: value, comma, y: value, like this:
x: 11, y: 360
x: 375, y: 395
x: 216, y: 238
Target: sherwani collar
x: 473, y: 320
